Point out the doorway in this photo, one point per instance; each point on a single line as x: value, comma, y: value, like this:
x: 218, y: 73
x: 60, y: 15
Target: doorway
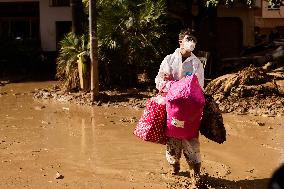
x: 62, y: 28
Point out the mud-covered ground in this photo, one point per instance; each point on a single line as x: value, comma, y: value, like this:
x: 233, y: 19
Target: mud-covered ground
x: 259, y: 105
x: 51, y: 142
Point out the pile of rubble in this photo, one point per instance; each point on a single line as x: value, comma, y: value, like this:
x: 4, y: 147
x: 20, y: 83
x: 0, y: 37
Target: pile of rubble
x: 255, y: 90
x: 2, y: 83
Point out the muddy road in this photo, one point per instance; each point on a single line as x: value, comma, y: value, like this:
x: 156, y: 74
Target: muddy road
x: 48, y: 144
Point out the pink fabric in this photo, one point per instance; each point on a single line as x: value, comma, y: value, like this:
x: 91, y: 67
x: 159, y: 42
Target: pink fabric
x: 184, y: 105
x: 152, y: 124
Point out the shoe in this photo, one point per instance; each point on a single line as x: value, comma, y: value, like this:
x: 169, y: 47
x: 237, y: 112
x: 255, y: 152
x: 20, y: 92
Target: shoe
x: 198, y: 182
x: 175, y: 168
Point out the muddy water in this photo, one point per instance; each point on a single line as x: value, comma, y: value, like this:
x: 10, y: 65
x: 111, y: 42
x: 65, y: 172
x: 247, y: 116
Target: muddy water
x: 46, y: 144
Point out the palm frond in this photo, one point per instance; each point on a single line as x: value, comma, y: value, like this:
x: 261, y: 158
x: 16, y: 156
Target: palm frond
x: 70, y: 47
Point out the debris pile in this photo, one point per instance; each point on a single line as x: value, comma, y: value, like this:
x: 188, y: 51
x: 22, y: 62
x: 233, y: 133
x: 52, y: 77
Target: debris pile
x: 2, y: 83
x: 255, y: 90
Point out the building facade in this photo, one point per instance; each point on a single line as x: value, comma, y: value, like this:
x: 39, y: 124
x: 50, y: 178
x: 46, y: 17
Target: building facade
x: 270, y: 18
x: 42, y: 21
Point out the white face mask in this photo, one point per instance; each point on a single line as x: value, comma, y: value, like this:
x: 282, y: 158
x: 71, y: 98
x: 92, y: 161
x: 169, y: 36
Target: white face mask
x: 189, y: 45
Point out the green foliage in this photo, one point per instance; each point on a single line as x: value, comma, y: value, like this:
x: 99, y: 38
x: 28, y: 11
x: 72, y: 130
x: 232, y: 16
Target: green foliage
x: 129, y: 34
x: 130, y: 27
x: 67, y: 69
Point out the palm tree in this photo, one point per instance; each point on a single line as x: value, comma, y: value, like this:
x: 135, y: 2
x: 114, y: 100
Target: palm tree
x: 129, y: 34
x: 67, y: 68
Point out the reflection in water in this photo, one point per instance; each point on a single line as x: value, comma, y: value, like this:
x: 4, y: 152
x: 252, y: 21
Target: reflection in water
x: 93, y: 140
x: 83, y: 136
x: 93, y: 123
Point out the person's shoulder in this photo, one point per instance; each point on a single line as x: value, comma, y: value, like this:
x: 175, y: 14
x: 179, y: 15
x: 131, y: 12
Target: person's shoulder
x: 166, y: 59
x: 169, y: 57
x: 175, y: 53
x: 195, y: 58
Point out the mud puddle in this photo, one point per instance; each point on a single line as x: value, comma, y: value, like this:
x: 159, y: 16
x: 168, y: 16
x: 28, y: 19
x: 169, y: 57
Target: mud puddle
x: 48, y: 144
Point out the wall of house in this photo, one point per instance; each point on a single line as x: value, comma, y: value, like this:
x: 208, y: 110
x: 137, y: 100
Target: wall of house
x: 267, y: 24
x: 247, y: 17
x: 269, y: 19
x: 48, y: 17
x: 271, y: 13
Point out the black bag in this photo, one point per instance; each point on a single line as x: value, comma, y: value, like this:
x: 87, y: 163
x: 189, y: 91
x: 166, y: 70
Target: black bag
x: 212, y: 126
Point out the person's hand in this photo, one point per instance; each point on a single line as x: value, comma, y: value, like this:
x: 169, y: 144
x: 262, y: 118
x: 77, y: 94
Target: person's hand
x: 168, y: 77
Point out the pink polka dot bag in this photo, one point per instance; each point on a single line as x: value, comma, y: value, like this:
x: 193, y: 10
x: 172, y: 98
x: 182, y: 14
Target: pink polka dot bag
x: 152, y: 124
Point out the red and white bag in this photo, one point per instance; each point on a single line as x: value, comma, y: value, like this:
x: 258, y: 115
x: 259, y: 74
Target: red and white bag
x: 152, y: 124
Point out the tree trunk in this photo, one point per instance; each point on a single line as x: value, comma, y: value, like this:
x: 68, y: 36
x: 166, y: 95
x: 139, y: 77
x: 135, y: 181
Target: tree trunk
x: 93, y: 50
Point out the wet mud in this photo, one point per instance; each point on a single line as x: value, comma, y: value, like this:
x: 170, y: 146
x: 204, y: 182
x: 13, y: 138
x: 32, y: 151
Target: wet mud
x: 51, y: 144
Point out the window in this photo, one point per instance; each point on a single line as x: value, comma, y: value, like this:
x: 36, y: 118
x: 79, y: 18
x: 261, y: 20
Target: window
x: 59, y: 3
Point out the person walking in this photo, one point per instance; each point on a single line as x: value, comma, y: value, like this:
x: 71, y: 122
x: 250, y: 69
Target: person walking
x: 175, y: 66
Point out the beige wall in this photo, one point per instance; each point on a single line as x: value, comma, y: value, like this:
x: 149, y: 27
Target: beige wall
x: 247, y: 17
x: 271, y: 13
x: 48, y: 17
x: 268, y: 23
x: 269, y: 19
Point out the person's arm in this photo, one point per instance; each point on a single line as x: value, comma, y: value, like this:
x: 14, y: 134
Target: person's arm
x: 164, y: 74
x: 199, y: 71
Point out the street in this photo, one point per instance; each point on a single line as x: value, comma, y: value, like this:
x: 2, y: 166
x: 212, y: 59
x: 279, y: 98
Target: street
x: 48, y: 144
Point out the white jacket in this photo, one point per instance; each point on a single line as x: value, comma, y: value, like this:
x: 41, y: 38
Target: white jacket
x: 172, y: 64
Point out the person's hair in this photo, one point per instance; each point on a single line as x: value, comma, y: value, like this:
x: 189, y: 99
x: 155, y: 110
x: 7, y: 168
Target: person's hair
x: 189, y: 32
